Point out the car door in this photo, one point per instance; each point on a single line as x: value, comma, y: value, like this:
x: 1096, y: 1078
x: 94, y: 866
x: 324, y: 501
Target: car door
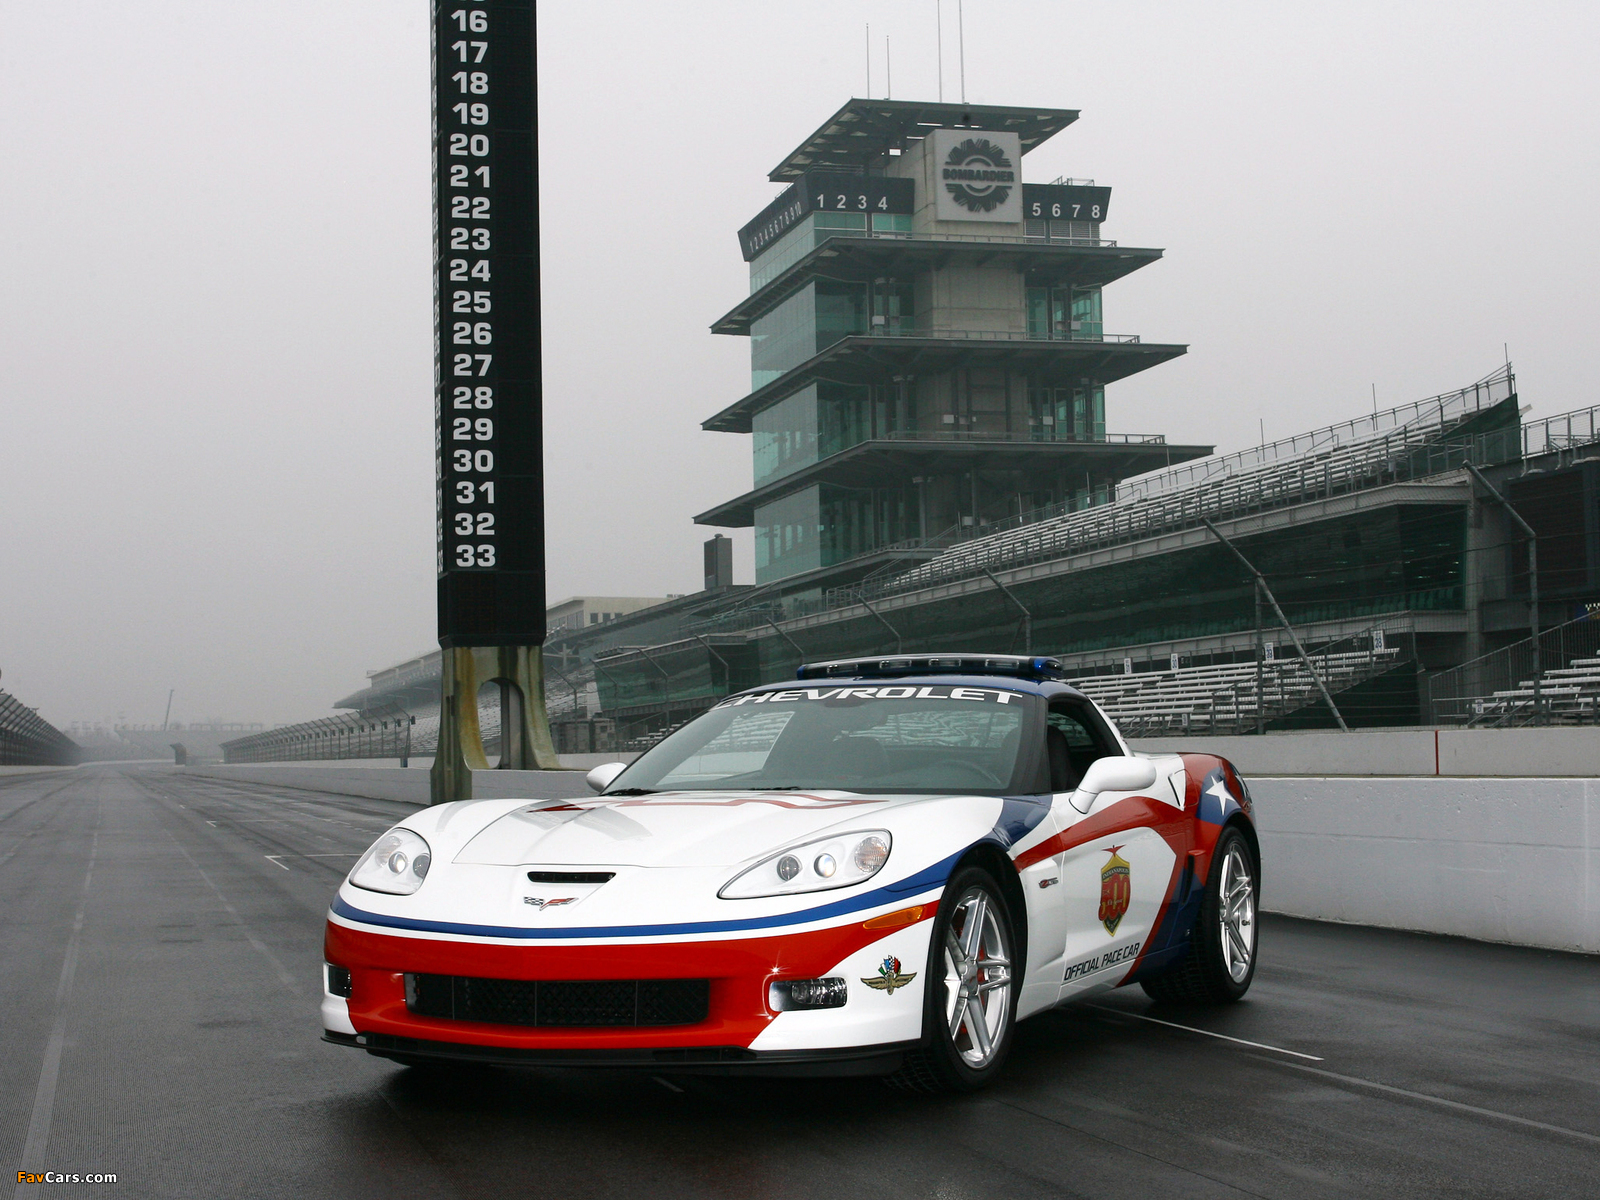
x: 1115, y: 864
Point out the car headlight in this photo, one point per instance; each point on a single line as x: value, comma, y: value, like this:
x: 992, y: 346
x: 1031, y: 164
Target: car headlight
x: 397, y: 863
x: 831, y: 862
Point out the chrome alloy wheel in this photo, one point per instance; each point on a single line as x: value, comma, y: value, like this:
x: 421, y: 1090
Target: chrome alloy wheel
x: 977, y: 978
x: 1237, y: 913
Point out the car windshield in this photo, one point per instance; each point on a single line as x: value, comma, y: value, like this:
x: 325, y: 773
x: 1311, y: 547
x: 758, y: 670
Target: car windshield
x: 906, y: 738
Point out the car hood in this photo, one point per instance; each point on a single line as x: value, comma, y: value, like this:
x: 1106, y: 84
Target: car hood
x: 672, y: 829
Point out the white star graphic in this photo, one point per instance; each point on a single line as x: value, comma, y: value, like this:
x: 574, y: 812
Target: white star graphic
x: 1220, y: 791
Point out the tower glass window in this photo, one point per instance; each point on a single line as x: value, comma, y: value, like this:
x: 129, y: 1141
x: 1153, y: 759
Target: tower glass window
x: 816, y: 228
x: 1065, y: 314
x: 826, y: 524
x: 818, y: 315
x: 822, y: 419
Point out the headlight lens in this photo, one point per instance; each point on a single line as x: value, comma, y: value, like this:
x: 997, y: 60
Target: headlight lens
x: 832, y: 862
x: 397, y: 863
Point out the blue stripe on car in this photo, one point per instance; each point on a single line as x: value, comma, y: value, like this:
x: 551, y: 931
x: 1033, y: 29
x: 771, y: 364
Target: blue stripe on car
x: 1019, y: 816
x: 927, y: 878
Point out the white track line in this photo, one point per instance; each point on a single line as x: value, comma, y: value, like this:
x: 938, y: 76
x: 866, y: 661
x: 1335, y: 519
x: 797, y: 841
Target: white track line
x: 1440, y: 1100
x: 1191, y: 1029
x: 44, y: 1096
x: 273, y: 858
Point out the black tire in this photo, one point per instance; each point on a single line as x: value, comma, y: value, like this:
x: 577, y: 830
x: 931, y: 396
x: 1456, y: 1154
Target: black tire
x: 945, y: 1061
x: 1212, y: 972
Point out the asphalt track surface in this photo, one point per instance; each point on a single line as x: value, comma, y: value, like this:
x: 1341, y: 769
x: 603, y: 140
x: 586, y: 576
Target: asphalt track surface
x: 162, y: 940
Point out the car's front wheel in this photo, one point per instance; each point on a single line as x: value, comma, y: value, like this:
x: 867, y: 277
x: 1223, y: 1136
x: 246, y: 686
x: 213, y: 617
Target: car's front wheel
x: 970, y: 999
x: 1222, y: 954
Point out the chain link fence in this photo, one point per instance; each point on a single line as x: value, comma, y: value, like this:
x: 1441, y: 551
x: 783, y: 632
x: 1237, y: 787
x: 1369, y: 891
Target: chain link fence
x: 28, y: 740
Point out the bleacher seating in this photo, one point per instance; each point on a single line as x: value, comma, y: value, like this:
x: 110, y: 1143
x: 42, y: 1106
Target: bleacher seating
x: 1222, y: 698
x: 1568, y: 695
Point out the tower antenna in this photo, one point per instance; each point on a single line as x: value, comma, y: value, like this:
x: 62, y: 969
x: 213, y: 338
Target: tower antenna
x: 869, y: 60
x: 938, y: 25
x: 888, y: 69
x: 961, y: 41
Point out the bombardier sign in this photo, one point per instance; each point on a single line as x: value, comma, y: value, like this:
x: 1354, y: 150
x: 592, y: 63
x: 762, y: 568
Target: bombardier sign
x: 977, y: 175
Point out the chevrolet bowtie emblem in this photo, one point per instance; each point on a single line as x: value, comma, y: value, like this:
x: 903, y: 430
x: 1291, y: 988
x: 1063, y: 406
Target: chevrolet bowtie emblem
x: 541, y: 905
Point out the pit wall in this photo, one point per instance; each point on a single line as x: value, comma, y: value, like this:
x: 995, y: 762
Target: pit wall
x: 388, y: 782
x: 1361, y: 831
x: 1484, y: 833
x: 1474, y: 753
x: 1500, y: 860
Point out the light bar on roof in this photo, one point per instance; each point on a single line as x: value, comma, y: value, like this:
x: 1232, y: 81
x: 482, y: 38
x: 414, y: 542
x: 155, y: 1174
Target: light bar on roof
x: 1021, y: 666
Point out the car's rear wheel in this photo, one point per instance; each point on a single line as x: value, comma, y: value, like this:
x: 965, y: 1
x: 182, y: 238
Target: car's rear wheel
x: 970, y: 999
x: 1222, y: 954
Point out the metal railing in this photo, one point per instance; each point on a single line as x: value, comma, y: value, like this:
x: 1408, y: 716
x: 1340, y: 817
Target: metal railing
x: 1014, y: 239
x: 1435, y: 411
x: 1554, y: 680
x: 1032, y: 435
x: 1563, y: 431
x: 28, y: 740
x: 997, y: 335
x: 395, y: 734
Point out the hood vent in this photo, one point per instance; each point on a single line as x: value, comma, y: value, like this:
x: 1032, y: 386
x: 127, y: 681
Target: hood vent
x: 571, y: 876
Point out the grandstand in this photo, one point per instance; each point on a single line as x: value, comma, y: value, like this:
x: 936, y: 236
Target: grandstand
x: 1411, y: 442
x: 1373, y: 524
x: 1394, y: 568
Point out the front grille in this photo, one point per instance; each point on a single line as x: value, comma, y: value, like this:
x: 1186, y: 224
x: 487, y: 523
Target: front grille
x: 561, y: 1002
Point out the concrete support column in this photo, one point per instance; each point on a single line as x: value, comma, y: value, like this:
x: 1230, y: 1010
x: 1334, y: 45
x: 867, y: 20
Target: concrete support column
x: 524, y: 725
x: 1482, y: 562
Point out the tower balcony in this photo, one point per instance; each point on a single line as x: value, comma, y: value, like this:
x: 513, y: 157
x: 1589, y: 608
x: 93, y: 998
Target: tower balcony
x: 867, y: 255
x: 902, y: 457
x: 890, y: 352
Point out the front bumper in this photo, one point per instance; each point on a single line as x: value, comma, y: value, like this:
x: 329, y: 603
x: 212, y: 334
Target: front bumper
x: 738, y: 1020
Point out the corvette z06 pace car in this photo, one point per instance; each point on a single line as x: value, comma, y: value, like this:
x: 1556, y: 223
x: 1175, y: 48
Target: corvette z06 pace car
x: 879, y: 868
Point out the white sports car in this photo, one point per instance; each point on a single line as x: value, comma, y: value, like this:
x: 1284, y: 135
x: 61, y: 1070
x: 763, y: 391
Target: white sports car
x: 877, y: 869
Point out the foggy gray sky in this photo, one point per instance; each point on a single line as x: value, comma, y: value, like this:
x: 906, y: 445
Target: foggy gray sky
x: 215, y: 323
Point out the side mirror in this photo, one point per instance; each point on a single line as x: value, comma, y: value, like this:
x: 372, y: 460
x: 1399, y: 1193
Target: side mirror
x: 602, y: 776
x: 1115, y: 774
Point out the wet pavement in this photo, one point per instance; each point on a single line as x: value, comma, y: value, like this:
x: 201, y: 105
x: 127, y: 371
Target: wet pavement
x: 162, y: 945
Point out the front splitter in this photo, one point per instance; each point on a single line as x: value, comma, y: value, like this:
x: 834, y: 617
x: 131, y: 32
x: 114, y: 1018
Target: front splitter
x: 687, y: 1060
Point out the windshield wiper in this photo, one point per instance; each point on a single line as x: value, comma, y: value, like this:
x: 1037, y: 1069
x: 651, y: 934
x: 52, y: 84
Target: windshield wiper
x: 632, y: 792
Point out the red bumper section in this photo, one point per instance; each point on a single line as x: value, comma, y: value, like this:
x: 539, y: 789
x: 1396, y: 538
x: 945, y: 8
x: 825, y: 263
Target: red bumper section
x: 739, y: 972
